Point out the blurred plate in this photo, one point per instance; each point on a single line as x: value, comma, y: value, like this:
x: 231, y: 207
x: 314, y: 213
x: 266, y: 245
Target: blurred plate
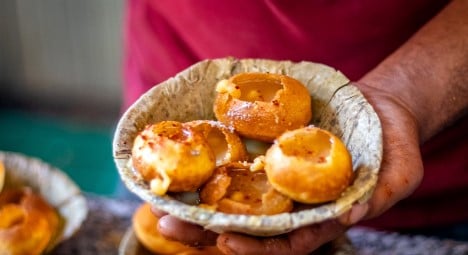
x: 52, y: 184
x: 131, y: 246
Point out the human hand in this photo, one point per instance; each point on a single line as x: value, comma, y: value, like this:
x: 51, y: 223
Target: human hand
x: 401, y: 171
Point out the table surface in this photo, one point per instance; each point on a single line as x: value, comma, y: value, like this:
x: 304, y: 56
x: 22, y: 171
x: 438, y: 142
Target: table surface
x: 84, y: 153
x: 109, y: 218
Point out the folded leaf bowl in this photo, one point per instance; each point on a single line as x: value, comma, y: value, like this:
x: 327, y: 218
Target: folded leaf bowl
x: 338, y: 106
x: 53, y: 185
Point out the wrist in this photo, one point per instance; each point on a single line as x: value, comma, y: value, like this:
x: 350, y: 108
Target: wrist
x: 427, y: 75
x: 393, y: 99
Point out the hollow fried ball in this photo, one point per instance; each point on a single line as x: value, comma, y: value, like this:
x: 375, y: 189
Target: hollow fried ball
x: 233, y: 188
x: 223, y: 141
x: 172, y: 157
x: 28, y: 224
x: 262, y: 106
x: 309, y: 165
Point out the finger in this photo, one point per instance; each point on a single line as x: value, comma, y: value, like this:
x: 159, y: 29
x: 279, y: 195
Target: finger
x: 186, y: 233
x: 354, y: 215
x: 158, y: 213
x: 300, y: 241
x: 401, y: 168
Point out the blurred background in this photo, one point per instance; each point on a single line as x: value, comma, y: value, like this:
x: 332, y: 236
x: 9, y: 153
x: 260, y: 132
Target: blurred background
x: 60, y: 85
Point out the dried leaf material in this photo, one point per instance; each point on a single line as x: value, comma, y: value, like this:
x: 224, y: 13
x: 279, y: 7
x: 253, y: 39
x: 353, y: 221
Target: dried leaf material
x: 52, y: 185
x: 337, y: 107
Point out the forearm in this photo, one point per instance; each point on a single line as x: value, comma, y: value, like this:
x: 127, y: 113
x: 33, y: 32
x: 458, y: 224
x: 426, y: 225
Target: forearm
x: 429, y: 73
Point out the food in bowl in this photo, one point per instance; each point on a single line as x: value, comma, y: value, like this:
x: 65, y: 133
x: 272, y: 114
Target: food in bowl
x: 262, y: 105
x: 309, y: 165
x: 32, y: 185
x: 224, y: 141
x: 28, y: 224
x: 177, y: 157
x: 234, y: 188
x: 337, y: 106
x: 304, y: 164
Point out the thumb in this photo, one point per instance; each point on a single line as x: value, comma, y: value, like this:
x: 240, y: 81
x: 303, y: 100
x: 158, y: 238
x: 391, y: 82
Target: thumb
x: 354, y: 215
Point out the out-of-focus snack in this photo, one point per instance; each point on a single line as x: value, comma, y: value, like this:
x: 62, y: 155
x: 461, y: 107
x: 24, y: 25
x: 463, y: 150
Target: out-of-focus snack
x: 223, y: 141
x: 309, y: 165
x: 145, y: 224
x: 172, y: 157
x: 262, y: 105
x: 233, y: 188
x: 28, y: 224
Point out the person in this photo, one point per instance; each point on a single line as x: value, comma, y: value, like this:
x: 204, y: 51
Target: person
x: 409, y: 59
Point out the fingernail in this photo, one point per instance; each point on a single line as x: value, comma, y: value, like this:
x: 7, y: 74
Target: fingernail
x: 224, y: 245
x: 163, y: 224
x: 356, y: 213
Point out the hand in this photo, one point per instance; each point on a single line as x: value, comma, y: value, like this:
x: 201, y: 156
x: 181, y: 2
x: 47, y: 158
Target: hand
x: 401, y: 171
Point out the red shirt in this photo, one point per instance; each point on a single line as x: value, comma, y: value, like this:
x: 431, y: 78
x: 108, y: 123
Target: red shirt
x: 164, y: 37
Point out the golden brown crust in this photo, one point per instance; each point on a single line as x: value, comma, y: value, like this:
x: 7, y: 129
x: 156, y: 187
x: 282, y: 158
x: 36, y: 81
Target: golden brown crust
x: 309, y: 165
x: 233, y: 188
x: 224, y: 141
x: 172, y: 157
x: 145, y: 224
x: 28, y: 224
x: 262, y: 105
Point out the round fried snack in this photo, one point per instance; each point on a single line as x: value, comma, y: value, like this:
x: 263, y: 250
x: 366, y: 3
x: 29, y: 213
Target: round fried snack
x: 262, y: 105
x: 28, y: 224
x: 145, y: 223
x: 309, y: 165
x: 223, y: 141
x: 233, y: 188
x: 172, y: 157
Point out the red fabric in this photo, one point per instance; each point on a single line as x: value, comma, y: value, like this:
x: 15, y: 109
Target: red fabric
x: 164, y: 37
